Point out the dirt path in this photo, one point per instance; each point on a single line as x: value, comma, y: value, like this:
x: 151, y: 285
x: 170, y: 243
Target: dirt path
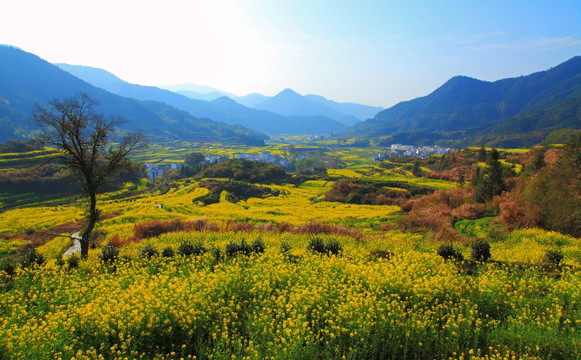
x: 76, y: 247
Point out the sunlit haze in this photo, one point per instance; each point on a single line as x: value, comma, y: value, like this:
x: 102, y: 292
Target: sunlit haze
x: 371, y: 52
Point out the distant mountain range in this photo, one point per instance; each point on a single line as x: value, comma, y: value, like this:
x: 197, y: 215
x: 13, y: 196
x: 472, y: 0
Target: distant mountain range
x: 287, y: 102
x: 467, y: 111
x: 27, y: 80
x: 463, y: 111
x: 221, y: 109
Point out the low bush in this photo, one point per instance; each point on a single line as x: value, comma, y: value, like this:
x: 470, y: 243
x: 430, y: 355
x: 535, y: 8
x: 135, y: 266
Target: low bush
x: 149, y: 251
x: 8, y: 265
x: 109, y: 253
x: 554, y: 257
x: 447, y: 251
x: 234, y: 248
x: 73, y: 261
x: 333, y: 247
x: 480, y: 251
x: 31, y: 258
x: 167, y: 252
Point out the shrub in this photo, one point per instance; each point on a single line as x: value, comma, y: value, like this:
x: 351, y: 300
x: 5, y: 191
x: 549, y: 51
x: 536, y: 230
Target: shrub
x: 381, y: 254
x: 234, y: 248
x: 115, y: 240
x: 167, y: 252
x: 285, y: 247
x: 554, y: 257
x: 186, y: 249
x: 334, y: 247
x: 317, y: 245
x: 109, y: 253
x: 149, y: 251
x: 73, y: 261
x: 480, y: 250
x: 8, y: 265
x: 31, y: 258
x: 217, y: 253
x: 447, y: 251
x: 258, y: 246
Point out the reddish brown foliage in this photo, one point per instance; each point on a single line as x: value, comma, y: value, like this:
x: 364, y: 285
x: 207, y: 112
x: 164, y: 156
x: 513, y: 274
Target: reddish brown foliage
x: 432, y: 212
x: 468, y: 211
x: 158, y: 227
x: 315, y: 227
x: 238, y: 226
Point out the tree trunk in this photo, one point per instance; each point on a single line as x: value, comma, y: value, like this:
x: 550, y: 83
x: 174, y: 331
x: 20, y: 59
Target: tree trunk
x: 86, y: 237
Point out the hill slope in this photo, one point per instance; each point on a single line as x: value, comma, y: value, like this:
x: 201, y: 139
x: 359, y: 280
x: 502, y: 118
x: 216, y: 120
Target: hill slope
x: 27, y: 80
x: 471, y: 106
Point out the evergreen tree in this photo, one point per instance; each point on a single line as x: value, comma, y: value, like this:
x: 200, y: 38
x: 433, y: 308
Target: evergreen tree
x: 417, y: 169
x: 482, y: 154
x: 492, y: 183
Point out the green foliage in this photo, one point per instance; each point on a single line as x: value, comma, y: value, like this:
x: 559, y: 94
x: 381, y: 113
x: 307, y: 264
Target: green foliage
x: 447, y: 251
x: 334, y: 247
x: 31, y: 258
x: 247, y: 171
x: 480, y: 250
x: 109, y: 253
x: 189, y: 249
x: 554, y: 257
x: 317, y: 244
x: 492, y: 183
x: 285, y: 247
x: 149, y: 251
x: 417, y: 168
x: 234, y: 248
x: 168, y: 252
x: 73, y: 261
x: 237, y: 191
x: 8, y: 265
x: 555, y: 192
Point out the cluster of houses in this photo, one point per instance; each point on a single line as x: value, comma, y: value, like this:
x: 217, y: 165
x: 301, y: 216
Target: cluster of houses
x: 156, y: 170
x: 264, y: 156
x: 420, y: 152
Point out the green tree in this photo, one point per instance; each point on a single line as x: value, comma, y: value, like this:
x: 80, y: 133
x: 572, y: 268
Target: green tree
x: 193, y: 164
x: 492, y: 183
x: 82, y: 137
x: 555, y: 192
x: 417, y: 169
x: 482, y: 154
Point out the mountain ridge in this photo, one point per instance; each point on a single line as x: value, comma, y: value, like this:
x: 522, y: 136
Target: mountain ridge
x: 255, y: 119
x: 28, y: 80
x: 466, y: 106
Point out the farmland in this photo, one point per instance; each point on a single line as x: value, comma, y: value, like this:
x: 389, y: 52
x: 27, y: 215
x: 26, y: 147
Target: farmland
x: 290, y: 275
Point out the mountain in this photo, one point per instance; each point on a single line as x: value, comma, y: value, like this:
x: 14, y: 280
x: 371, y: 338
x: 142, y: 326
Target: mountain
x: 198, y: 90
x: 288, y: 102
x: 355, y: 112
x: 465, y: 108
x: 27, y: 80
x: 218, y: 109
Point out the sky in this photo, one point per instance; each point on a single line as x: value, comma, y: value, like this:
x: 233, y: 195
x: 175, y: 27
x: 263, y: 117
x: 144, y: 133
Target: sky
x: 370, y: 52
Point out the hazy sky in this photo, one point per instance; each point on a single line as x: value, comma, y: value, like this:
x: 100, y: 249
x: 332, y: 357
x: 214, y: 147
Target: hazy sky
x: 372, y: 52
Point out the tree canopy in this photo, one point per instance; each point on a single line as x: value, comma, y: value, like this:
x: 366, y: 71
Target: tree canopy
x: 82, y: 137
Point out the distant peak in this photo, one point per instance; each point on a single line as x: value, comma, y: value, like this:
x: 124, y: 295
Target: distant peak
x: 288, y: 92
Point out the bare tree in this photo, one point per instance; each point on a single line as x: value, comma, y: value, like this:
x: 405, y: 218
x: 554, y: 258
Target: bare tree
x: 82, y: 137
